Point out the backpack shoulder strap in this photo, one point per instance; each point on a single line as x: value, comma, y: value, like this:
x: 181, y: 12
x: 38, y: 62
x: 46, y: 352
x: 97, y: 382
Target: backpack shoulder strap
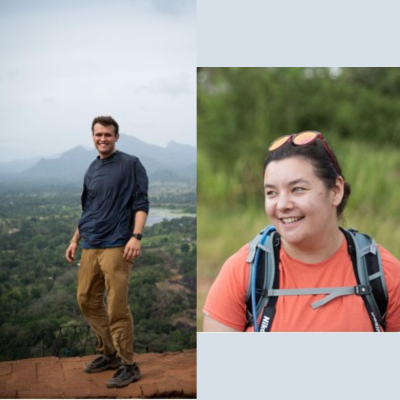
x: 367, y: 265
x: 263, y: 261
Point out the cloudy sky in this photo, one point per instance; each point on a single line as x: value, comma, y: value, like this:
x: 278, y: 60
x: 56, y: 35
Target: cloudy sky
x: 65, y: 62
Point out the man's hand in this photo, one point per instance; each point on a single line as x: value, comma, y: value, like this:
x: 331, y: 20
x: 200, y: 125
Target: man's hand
x: 70, y: 253
x: 132, y: 249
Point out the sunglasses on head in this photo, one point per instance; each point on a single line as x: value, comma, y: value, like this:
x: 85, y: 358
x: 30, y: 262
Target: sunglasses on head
x: 301, y: 139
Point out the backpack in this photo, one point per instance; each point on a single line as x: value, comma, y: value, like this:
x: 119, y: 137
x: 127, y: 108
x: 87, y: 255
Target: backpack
x: 263, y: 289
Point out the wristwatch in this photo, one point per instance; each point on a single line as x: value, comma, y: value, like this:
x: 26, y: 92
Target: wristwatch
x: 138, y: 236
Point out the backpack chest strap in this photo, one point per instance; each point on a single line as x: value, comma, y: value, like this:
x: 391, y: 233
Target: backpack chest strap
x: 332, y: 292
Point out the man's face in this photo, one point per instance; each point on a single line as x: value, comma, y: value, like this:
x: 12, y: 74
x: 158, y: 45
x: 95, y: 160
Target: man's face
x: 104, y: 138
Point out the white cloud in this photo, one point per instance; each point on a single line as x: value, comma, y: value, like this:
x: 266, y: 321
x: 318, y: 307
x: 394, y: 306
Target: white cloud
x: 63, y: 63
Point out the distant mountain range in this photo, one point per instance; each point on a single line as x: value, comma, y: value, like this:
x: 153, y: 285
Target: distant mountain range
x: 174, y: 163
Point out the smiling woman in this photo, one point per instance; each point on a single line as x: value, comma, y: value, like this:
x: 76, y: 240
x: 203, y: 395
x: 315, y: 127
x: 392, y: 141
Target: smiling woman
x: 318, y: 281
x: 302, y: 209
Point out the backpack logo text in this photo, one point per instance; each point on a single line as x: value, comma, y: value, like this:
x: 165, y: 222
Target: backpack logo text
x: 264, y: 323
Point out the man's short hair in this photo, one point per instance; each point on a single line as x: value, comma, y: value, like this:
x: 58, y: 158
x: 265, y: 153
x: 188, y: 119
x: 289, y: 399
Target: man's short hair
x: 106, y: 121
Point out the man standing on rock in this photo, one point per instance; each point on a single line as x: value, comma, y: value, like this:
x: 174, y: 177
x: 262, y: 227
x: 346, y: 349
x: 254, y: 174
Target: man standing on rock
x: 115, y: 207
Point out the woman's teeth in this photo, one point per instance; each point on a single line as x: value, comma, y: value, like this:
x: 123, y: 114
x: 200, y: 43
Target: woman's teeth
x: 291, y: 220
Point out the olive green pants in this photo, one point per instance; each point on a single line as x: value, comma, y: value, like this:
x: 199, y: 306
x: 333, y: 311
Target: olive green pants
x: 104, y: 271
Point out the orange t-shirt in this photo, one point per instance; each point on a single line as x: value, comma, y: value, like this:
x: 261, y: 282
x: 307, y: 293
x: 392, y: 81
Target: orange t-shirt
x: 226, y: 300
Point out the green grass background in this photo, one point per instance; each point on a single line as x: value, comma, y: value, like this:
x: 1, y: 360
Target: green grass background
x: 226, y: 222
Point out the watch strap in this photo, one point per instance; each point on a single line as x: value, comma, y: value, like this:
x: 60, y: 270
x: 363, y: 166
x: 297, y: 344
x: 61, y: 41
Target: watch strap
x: 138, y: 236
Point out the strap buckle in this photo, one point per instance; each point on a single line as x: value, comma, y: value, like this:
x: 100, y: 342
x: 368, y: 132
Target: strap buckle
x: 277, y: 241
x: 363, y: 290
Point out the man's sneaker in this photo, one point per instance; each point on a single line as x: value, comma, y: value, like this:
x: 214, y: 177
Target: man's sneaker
x: 125, y: 375
x: 103, y: 363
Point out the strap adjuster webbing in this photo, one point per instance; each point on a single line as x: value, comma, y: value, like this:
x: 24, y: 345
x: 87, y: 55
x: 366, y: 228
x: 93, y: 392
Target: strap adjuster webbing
x: 332, y: 293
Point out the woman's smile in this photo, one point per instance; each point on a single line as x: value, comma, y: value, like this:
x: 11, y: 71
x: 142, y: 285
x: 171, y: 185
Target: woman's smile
x: 290, y: 220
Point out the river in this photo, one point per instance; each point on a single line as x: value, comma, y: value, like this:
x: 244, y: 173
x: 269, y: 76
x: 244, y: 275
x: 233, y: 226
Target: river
x: 156, y: 215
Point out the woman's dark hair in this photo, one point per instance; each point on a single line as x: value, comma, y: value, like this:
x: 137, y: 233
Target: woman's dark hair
x: 318, y: 156
x: 106, y: 121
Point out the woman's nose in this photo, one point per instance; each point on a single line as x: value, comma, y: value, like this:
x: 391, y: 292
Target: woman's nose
x: 284, y: 202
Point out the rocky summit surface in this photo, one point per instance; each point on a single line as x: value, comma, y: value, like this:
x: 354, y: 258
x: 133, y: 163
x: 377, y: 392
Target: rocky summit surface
x: 167, y: 375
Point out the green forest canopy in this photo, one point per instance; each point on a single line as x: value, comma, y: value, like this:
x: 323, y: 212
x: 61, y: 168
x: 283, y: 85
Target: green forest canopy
x: 38, y: 286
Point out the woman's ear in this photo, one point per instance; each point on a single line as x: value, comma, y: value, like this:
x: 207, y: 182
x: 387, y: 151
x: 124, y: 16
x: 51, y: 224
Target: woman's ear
x: 338, y: 191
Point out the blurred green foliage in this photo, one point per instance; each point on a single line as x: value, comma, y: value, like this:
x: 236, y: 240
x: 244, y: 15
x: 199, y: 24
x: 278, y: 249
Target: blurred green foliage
x: 242, y: 110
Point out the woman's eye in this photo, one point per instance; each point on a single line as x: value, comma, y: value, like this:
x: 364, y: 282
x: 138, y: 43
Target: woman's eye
x: 270, y: 193
x: 298, y: 189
